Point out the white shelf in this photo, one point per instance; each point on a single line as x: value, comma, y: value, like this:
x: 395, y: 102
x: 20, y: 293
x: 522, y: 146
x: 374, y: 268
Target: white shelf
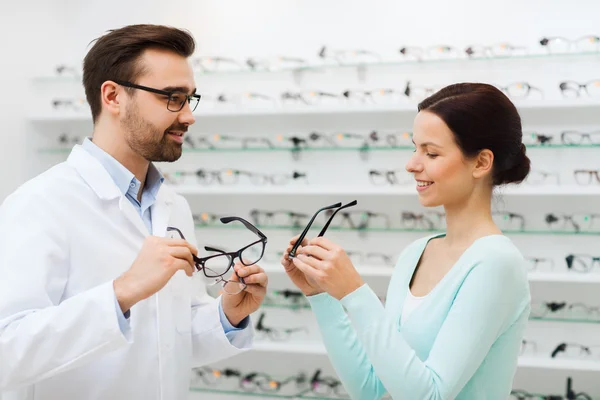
x: 290, y: 347
x: 564, y: 277
x: 382, y: 271
x: 297, y: 190
x: 524, y: 362
x: 377, y: 271
x: 559, y: 364
x: 546, y: 105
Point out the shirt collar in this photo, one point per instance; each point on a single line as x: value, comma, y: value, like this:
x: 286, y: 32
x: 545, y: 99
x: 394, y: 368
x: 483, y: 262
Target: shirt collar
x: 121, y: 176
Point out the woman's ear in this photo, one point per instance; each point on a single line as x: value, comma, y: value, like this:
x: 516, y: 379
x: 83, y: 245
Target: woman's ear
x: 484, y: 162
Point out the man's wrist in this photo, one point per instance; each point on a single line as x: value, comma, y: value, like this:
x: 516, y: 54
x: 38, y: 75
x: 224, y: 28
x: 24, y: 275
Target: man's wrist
x: 124, y: 297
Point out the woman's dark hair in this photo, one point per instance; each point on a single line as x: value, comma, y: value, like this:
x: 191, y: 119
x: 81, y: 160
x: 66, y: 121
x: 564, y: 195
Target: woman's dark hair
x: 482, y: 117
x: 115, y: 56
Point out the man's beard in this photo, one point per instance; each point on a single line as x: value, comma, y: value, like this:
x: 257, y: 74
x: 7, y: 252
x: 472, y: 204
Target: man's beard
x: 147, y: 140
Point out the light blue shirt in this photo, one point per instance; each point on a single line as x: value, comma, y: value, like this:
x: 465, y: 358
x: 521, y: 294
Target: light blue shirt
x: 461, y: 342
x: 130, y: 186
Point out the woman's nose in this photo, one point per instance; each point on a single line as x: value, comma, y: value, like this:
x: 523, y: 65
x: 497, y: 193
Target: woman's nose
x: 413, y: 164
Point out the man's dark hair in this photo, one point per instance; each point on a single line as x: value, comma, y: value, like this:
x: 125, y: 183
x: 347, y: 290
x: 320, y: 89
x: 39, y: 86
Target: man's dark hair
x: 115, y: 56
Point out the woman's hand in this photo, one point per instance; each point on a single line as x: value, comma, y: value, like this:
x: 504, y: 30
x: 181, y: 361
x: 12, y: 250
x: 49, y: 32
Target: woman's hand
x: 328, y: 266
x: 302, y: 282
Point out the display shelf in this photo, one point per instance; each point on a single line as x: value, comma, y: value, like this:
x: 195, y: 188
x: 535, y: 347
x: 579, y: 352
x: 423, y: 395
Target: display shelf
x: 559, y: 364
x: 542, y: 57
x: 302, y: 394
x: 399, y: 230
x: 374, y: 190
x: 66, y: 150
x: 551, y: 106
x: 524, y: 362
x: 546, y: 277
x: 290, y: 347
x: 564, y: 277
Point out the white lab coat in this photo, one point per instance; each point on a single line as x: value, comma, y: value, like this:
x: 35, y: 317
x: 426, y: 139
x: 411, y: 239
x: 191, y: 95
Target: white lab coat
x: 64, y: 237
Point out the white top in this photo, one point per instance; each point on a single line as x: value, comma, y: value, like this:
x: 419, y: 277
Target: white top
x: 410, y: 303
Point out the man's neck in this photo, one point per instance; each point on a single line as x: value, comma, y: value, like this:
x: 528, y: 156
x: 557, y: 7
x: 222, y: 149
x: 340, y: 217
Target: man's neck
x: 121, y: 152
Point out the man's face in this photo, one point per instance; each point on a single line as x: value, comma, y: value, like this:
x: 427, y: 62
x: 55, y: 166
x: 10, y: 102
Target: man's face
x: 151, y: 130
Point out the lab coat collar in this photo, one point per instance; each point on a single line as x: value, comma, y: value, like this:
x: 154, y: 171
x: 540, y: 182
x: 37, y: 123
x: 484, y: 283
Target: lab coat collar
x: 98, y: 178
x: 100, y: 181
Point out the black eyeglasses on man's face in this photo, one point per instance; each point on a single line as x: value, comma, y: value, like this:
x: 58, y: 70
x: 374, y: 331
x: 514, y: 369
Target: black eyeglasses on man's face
x: 217, y: 265
x: 176, y: 99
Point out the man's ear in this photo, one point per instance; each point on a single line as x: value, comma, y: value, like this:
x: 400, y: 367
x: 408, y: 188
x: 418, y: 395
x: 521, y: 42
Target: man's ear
x: 484, y: 162
x: 110, y: 95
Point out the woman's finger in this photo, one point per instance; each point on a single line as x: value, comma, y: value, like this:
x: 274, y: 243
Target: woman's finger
x: 311, y: 272
x: 315, y: 251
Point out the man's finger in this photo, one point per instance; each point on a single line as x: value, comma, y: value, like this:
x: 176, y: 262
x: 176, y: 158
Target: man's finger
x: 182, y: 253
x: 260, y: 279
x: 182, y: 243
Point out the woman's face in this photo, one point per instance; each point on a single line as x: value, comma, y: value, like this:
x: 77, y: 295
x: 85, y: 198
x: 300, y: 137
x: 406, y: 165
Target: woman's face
x: 444, y: 177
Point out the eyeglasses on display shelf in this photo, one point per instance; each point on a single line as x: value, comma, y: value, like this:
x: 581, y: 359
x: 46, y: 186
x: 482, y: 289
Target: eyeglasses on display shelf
x: 577, y: 222
x: 496, y: 50
x: 391, y: 177
x: 70, y: 104
x: 522, y: 90
x: 579, y: 138
x: 542, y: 264
x: 287, y: 298
x: 563, y: 311
x: 232, y: 177
x: 587, y: 176
x: 279, y: 218
x: 360, y: 258
x: 352, y: 56
x: 276, y: 63
x: 582, y: 262
x: 276, y: 334
x: 537, y: 177
x: 558, y: 44
x: 572, y: 89
x: 576, y: 351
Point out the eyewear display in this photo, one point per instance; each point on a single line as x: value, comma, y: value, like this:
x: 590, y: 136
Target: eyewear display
x: 370, y: 258
x: 354, y: 56
x: 575, y: 350
x: 275, y: 334
x: 559, y: 44
x: 582, y: 262
x: 358, y: 219
x: 572, y: 89
x: 586, y: 176
x: 539, y: 264
x: 390, y: 177
x: 431, y: 220
x: 231, y: 177
x: 520, y: 90
x: 278, y: 218
x: 576, y: 137
x: 509, y: 221
x: 578, y: 222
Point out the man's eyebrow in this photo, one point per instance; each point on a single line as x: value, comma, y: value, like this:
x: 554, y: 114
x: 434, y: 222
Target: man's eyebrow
x: 182, y: 89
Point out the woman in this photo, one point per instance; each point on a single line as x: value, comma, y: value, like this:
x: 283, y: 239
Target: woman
x: 458, y: 302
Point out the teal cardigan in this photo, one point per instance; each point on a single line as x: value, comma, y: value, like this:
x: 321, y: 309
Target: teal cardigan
x: 461, y: 342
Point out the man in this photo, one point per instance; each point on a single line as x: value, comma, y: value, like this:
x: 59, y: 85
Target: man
x: 95, y: 301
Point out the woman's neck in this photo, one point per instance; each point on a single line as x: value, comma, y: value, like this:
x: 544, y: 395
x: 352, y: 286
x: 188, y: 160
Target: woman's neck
x: 469, y: 221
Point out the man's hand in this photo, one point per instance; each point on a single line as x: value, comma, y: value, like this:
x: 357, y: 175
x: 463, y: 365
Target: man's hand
x: 238, y: 306
x: 158, y: 260
x: 307, y: 285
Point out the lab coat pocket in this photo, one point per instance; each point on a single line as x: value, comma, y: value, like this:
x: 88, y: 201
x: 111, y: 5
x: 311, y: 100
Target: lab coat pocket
x: 182, y: 305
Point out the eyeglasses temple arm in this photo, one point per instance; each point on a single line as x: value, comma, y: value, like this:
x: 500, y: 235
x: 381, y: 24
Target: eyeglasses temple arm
x: 305, y: 231
x: 351, y: 204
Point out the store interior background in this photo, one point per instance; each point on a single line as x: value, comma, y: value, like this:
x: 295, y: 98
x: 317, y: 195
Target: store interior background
x: 39, y: 35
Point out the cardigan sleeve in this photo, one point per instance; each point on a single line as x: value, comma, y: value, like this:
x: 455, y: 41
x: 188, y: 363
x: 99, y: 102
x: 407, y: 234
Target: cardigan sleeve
x: 486, y: 304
